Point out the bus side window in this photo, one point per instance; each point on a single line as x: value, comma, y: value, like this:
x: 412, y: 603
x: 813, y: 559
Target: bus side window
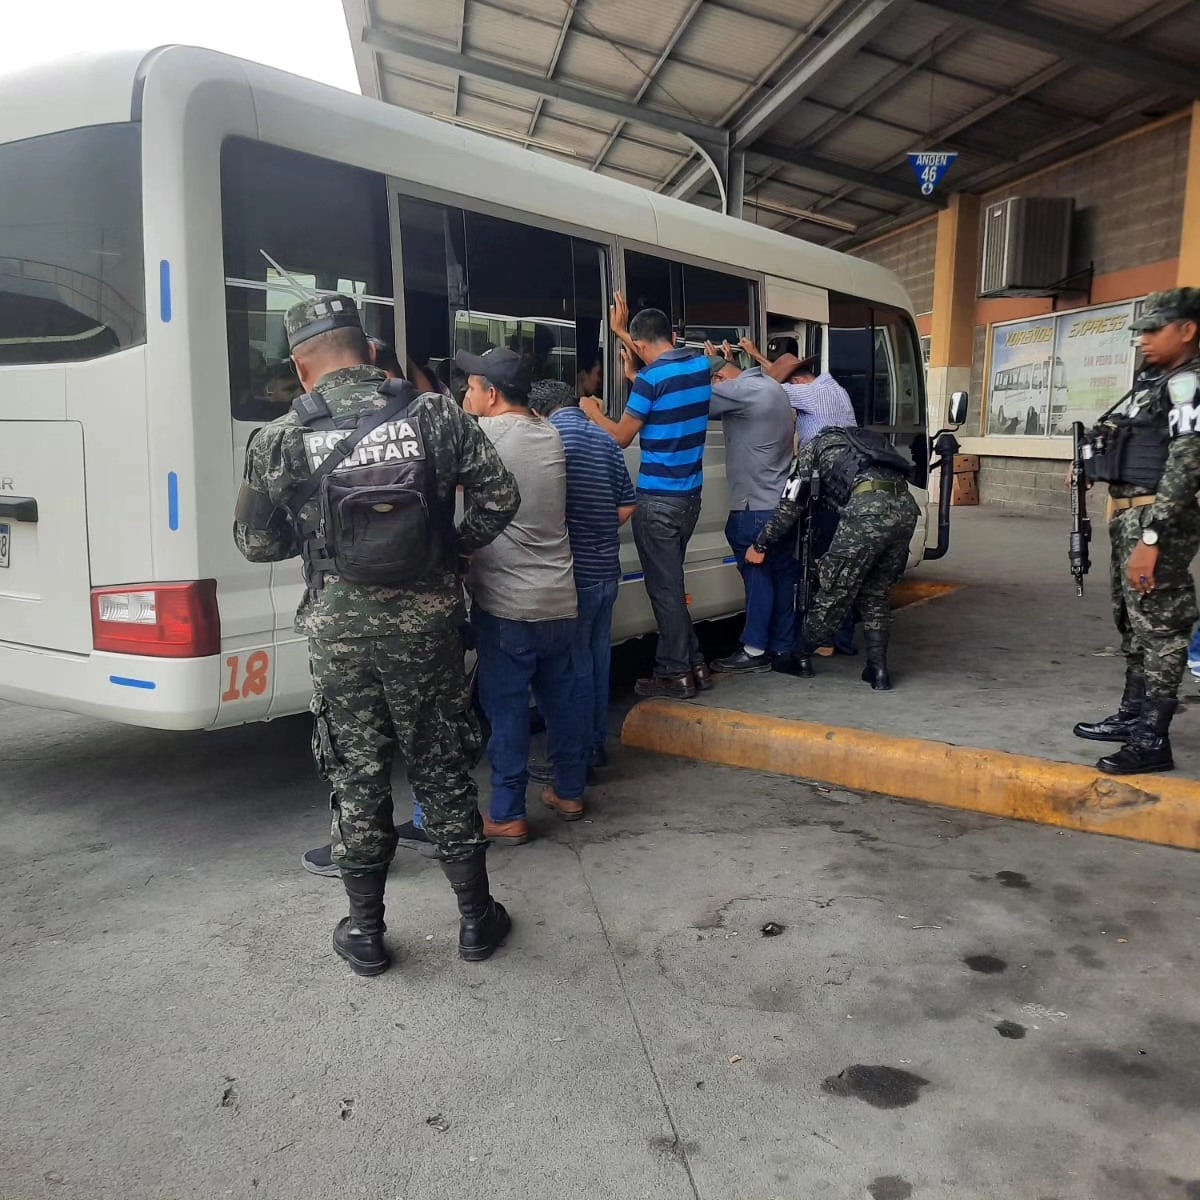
x: 875, y: 355
x: 279, y: 201
x: 701, y: 304
x: 475, y: 282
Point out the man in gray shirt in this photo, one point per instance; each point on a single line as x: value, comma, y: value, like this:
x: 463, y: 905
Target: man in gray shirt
x: 524, y: 603
x: 759, y: 425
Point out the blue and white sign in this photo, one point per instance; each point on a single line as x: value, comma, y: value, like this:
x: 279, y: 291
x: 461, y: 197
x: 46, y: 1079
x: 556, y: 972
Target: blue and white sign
x: 930, y: 166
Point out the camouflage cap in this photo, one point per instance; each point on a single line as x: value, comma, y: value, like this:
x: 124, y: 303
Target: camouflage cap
x: 1161, y: 308
x: 319, y: 315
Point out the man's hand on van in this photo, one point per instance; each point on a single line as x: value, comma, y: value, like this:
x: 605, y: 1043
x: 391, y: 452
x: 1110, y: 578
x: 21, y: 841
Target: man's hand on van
x: 618, y: 316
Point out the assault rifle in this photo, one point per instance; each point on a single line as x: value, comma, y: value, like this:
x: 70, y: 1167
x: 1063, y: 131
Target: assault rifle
x: 1081, y: 523
x: 806, y: 583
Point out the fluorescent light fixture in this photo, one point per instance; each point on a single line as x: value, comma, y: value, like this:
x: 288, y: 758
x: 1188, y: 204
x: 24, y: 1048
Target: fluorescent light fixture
x: 802, y: 214
x: 507, y: 135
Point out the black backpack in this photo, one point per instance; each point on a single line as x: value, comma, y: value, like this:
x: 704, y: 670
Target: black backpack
x: 867, y: 450
x: 379, y: 521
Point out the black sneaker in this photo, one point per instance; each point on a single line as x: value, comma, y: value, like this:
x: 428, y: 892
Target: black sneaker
x: 320, y: 862
x: 543, y: 772
x: 742, y: 663
x: 412, y: 837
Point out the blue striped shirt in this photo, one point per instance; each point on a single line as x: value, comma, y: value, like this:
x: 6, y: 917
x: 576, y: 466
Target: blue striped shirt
x: 671, y: 396
x: 598, y: 484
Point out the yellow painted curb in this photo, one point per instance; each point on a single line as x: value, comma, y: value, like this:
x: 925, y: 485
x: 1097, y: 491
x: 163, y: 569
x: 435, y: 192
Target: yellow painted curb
x: 1149, y: 808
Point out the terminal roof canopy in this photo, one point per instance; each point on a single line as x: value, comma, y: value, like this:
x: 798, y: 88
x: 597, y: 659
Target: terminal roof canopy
x: 824, y: 98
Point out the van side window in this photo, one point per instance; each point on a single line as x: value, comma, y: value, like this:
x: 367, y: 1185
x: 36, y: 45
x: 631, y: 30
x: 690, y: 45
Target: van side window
x: 875, y: 355
x: 702, y: 304
x: 473, y: 282
x: 71, y: 278
x: 326, y: 225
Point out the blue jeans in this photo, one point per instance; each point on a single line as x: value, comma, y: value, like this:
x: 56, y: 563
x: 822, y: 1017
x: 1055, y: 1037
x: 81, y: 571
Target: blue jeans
x: 593, y: 659
x: 770, y: 586
x: 662, y: 528
x: 515, y: 656
x: 1194, y: 648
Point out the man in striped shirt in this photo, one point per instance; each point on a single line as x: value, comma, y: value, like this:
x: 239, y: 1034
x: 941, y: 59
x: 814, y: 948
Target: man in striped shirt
x: 668, y: 407
x: 600, y: 499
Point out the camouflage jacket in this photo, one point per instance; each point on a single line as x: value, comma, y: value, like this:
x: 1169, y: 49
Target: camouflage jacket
x: 818, y: 455
x: 463, y: 456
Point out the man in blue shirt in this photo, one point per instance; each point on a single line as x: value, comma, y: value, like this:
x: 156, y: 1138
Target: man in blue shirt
x: 600, y: 499
x: 668, y: 406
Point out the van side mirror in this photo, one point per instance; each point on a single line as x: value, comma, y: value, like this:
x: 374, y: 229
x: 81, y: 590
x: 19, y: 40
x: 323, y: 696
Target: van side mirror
x: 957, y: 412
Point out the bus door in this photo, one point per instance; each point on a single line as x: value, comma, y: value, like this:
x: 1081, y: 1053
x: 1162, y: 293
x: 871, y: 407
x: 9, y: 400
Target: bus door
x: 796, y: 318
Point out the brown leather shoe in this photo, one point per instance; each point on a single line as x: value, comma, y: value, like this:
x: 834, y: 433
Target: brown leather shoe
x: 506, y: 833
x: 677, y: 687
x: 569, y: 810
x: 703, y: 677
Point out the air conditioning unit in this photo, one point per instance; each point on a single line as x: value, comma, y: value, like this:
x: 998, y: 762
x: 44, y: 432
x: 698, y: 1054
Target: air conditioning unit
x: 1026, y: 246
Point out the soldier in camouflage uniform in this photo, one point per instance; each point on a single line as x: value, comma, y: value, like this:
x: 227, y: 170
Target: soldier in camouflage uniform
x: 1154, y: 530
x: 867, y: 555
x: 387, y: 662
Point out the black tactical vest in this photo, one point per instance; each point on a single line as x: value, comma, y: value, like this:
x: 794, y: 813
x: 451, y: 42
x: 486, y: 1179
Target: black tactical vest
x: 869, y: 455
x: 1131, y: 448
x: 379, y: 521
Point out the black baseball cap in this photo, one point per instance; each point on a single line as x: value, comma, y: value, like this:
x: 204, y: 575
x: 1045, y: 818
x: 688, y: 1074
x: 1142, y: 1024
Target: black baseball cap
x: 506, y: 370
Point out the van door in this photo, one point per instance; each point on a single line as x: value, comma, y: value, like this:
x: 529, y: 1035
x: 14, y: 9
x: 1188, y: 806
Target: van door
x: 800, y: 311
x: 44, y: 577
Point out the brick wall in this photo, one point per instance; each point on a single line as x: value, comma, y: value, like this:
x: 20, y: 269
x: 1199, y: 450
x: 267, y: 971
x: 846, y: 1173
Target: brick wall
x: 1128, y: 198
x: 1030, y: 485
x: 910, y: 254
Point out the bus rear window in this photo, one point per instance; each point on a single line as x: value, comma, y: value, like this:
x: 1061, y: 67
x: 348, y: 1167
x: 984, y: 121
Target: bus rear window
x: 71, y: 277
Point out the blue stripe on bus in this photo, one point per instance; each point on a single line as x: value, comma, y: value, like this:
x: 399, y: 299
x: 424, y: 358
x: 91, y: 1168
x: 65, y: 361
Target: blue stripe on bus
x: 164, y: 290
x: 172, y: 500
x: 146, y: 685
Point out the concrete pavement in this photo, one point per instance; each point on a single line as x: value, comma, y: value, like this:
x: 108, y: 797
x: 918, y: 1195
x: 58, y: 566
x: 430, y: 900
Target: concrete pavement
x: 1006, y: 660
x: 957, y: 1007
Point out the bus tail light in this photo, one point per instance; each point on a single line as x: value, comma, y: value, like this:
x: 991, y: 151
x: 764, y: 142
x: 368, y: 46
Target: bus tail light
x: 166, y: 620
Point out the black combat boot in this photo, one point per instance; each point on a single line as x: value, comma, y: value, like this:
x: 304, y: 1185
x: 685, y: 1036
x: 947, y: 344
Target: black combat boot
x: 1149, y: 746
x: 484, y: 922
x: 1119, y: 727
x: 799, y: 662
x: 358, y: 938
x: 876, y: 671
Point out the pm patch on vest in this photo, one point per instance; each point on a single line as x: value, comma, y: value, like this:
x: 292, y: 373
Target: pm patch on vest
x: 396, y: 441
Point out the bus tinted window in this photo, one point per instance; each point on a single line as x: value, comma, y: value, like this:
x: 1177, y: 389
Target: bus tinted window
x: 71, y: 276
x: 875, y: 355
x: 326, y: 226
x: 703, y: 305
x: 472, y: 282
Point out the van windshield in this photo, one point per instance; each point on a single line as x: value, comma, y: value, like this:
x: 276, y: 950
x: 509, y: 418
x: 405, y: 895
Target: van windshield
x: 71, y: 273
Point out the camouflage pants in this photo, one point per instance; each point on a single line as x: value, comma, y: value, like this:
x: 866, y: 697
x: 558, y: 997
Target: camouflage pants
x: 1155, y: 629
x: 867, y: 555
x: 375, y: 697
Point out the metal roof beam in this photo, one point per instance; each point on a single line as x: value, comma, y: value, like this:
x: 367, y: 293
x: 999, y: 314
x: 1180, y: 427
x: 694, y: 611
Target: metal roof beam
x: 387, y: 42
x: 1070, y: 41
x: 836, y: 170
x: 844, y: 40
x: 651, y: 76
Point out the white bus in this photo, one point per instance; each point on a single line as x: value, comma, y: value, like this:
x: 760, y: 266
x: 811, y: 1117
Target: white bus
x: 141, y: 345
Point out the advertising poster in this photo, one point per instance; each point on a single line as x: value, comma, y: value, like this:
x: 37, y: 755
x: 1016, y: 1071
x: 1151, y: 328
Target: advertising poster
x: 1049, y: 371
x: 1094, y: 364
x: 1022, y: 358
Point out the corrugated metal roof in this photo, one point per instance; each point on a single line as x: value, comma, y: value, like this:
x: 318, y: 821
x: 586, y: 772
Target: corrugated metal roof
x: 922, y: 78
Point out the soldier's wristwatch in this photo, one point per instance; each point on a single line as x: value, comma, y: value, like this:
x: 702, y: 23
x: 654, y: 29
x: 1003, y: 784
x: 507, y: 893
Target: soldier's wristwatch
x: 1150, y: 537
